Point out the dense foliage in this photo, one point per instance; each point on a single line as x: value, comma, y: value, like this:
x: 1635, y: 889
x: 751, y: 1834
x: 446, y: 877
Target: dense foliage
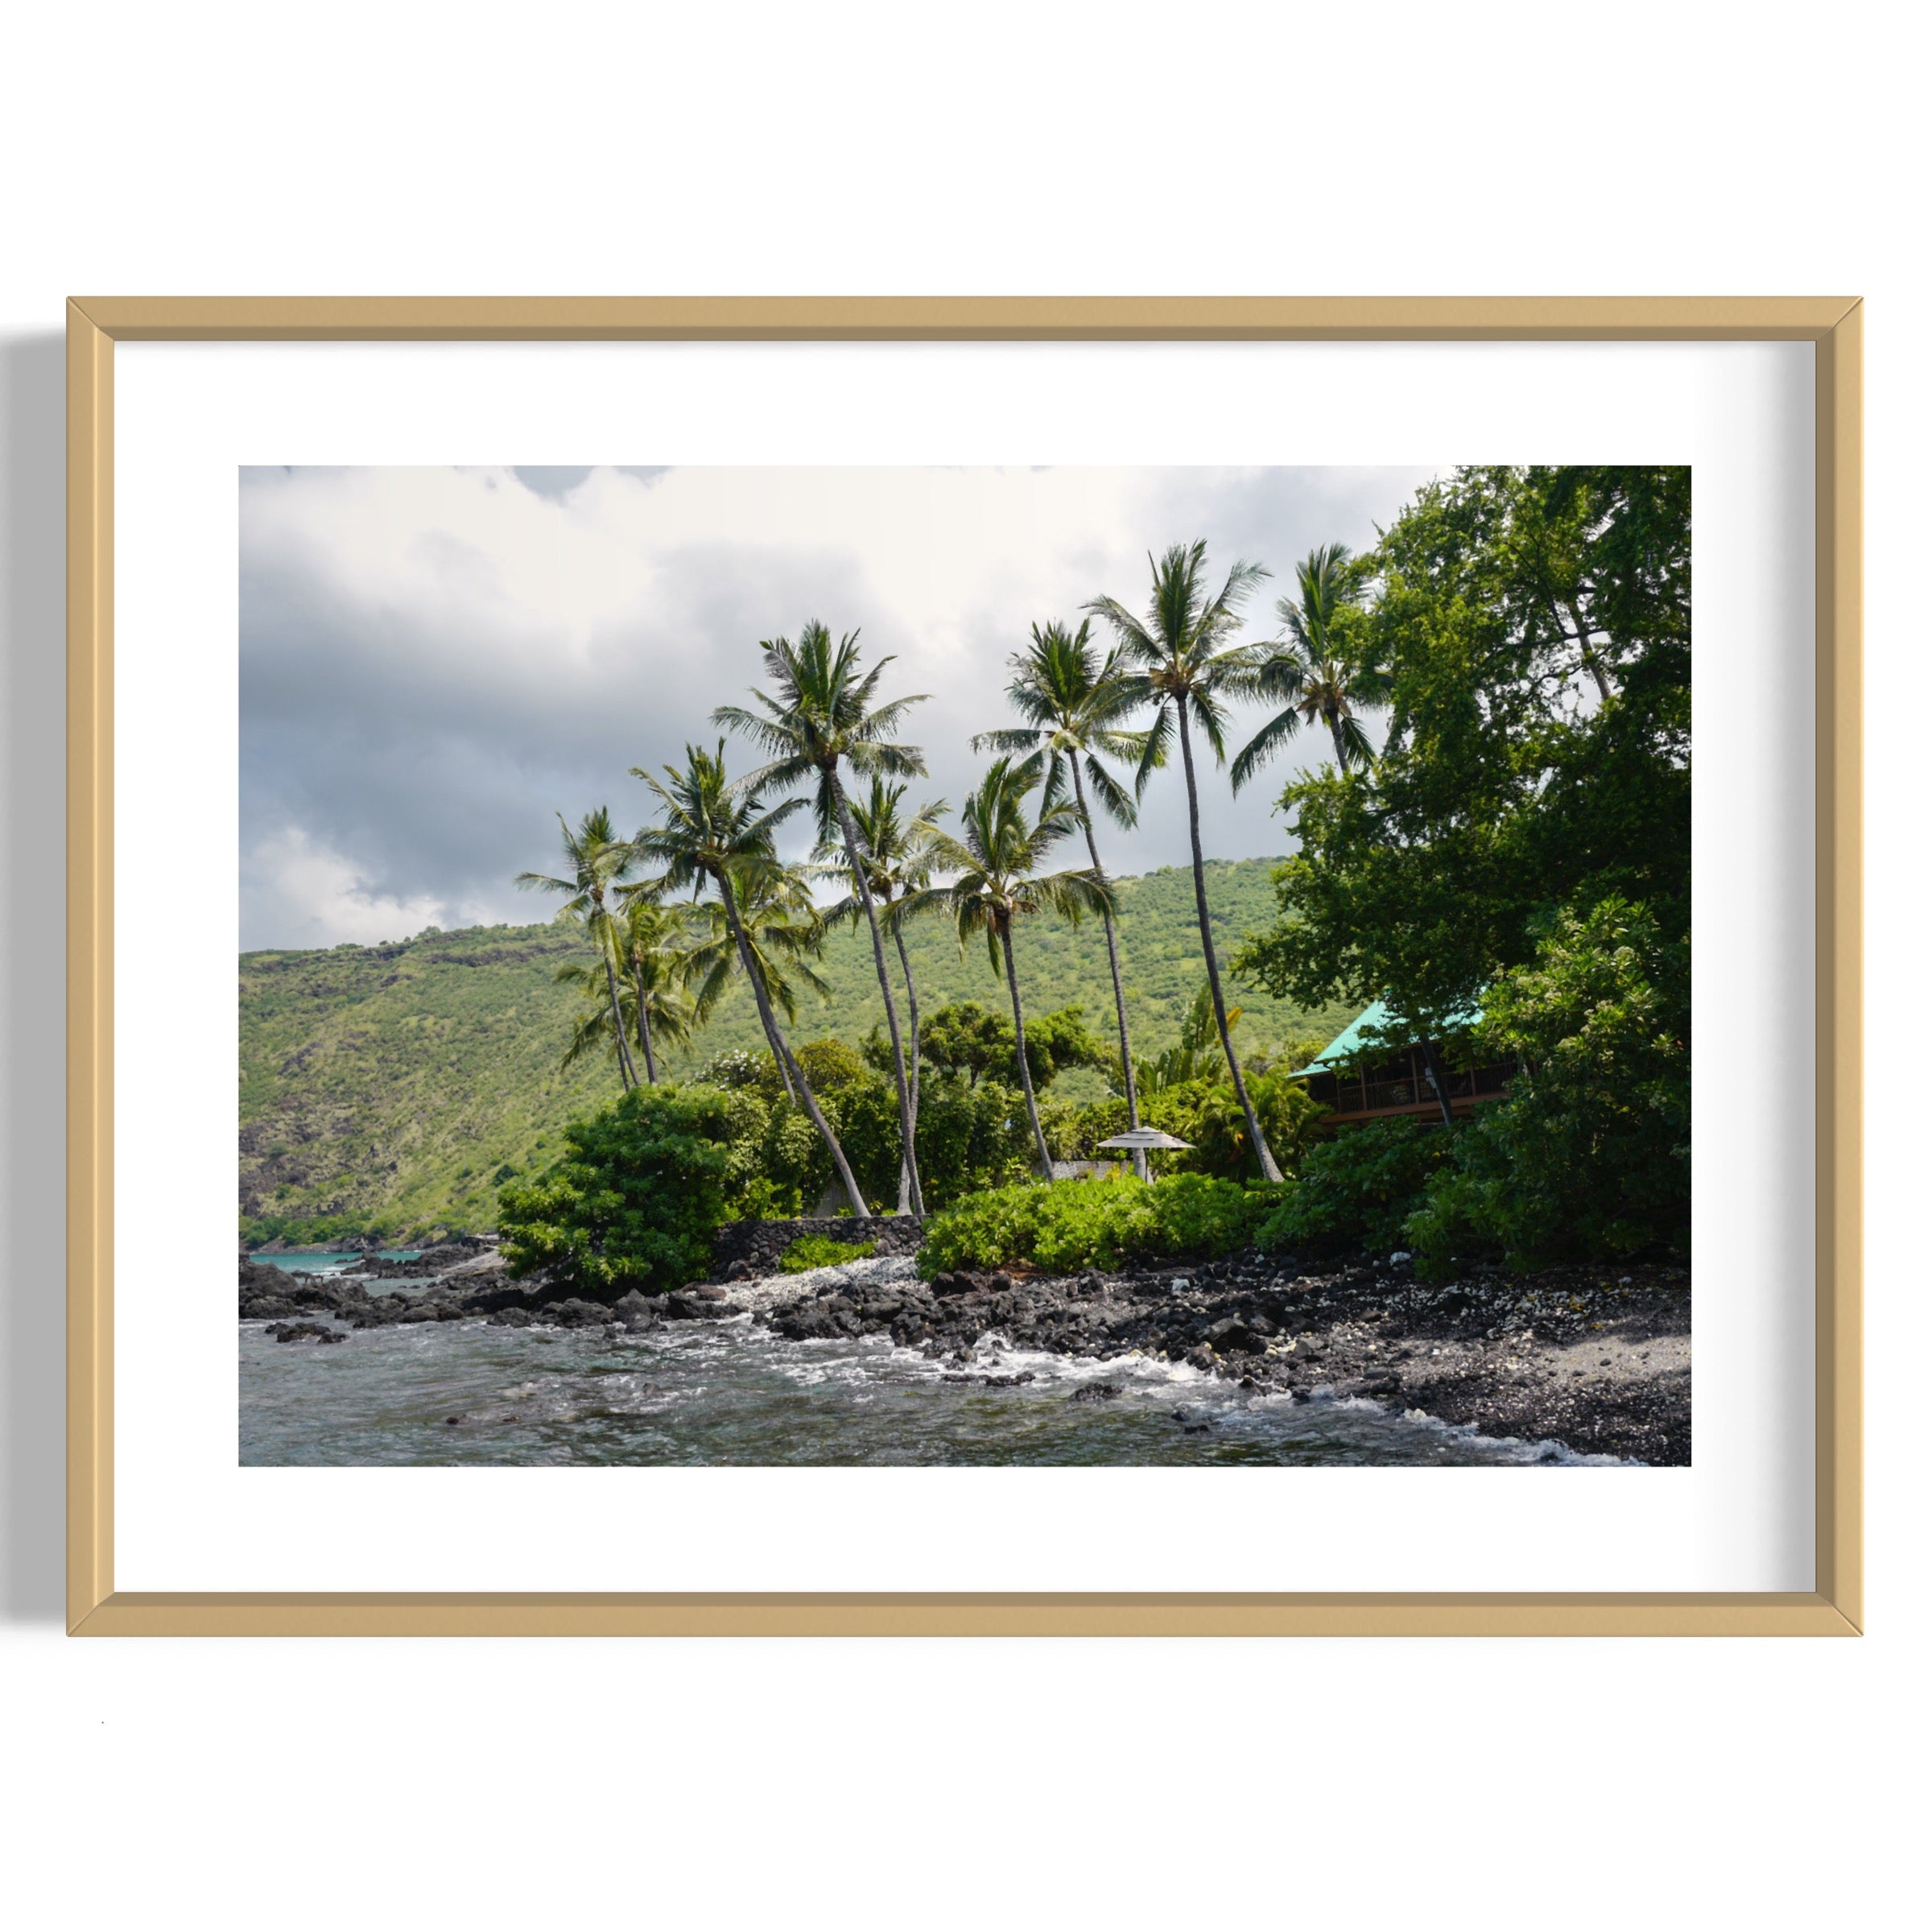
x: 1530, y: 641
x: 1357, y: 1192
x: 1088, y: 1223
x: 1521, y: 843
x: 969, y: 1042
x: 634, y: 1201
x: 1590, y: 1153
x: 969, y: 1136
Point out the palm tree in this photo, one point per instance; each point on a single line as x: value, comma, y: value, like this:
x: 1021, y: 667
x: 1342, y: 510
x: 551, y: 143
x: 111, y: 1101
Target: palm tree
x: 1181, y: 651
x: 899, y: 862
x: 998, y: 856
x: 596, y: 859
x: 783, y: 932
x: 1308, y: 668
x: 658, y: 970
x: 720, y: 833
x: 676, y: 1015
x: 1075, y: 705
x: 822, y: 715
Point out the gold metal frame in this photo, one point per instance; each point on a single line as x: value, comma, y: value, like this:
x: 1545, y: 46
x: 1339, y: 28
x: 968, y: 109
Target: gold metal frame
x: 1835, y: 325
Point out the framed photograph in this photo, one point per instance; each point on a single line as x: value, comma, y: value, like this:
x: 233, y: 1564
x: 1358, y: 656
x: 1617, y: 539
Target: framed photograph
x: 964, y: 966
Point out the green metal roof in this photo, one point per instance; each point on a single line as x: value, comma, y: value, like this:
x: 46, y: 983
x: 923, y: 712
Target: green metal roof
x: 1348, y: 1043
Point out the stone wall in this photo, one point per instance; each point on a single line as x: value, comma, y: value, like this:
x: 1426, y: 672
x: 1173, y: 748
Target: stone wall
x: 752, y: 1247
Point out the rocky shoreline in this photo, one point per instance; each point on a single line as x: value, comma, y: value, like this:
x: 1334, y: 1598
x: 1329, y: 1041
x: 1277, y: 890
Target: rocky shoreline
x: 1593, y: 1357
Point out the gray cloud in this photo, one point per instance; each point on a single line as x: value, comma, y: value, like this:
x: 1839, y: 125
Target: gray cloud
x: 433, y: 666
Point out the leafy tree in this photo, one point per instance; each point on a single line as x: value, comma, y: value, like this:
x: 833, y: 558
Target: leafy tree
x: 720, y: 834
x: 997, y: 857
x: 1184, y: 655
x: 1590, y: 1152
x: 596, y: 859
x: 1530, y: 637
x: 966, y: 1040
x: 898, y: 855
x: 1077, y: 704
x: 822, y: 715
x: 1309, y: 671
x: 634, y: 1201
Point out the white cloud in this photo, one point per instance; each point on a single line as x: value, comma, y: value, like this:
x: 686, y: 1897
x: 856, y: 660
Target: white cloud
x: 435, y: 661
x: 308, y: 895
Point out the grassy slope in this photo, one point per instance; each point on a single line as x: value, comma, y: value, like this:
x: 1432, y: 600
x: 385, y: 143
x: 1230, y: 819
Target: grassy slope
x: 398, y: 1079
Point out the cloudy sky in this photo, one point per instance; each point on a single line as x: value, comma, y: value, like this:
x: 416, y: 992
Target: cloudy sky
x: 436, y: 662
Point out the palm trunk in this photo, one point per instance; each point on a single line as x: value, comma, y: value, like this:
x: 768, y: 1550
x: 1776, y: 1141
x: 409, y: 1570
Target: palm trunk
x: 1019, y: 1033
x: 650, y: 1058
x: 912, y: 1006
x: 1340, y: 743
x: 892, y: 1015
x: 794, y: 1074
x: 1270, y: 1170
x: 1432, y: 1065
x: 1113, y: 963
x: 792, y: 1092
x: 627, y: 1071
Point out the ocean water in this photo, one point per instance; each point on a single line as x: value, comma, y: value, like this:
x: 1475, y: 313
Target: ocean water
x: 729, y: 1393
x: 327, y: 1262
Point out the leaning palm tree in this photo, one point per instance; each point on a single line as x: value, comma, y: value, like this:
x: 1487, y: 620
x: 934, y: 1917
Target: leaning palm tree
x: 720, y: 834
x: 1182, y: 651
x: 899, y: 862
x: 783, y: 932
x: 818, y: 714
x: 1076, y: 705
x: 1307, y: 669
x: 597, y: 860
x: 998, y: 856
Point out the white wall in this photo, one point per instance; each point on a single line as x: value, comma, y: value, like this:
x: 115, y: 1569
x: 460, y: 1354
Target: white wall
x: 590, y: 149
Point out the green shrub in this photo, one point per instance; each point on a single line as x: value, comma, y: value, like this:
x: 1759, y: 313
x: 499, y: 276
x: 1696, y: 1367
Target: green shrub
x: 814, y: 1250
x: 1086, y: 1223
x: 635, y: 1200
x: 1357, y: 1189
x: 1589, y: 1157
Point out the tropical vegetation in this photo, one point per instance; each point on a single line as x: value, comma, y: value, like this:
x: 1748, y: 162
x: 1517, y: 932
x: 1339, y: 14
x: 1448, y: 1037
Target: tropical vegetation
x: 1086, y: 1223
x: 1497, y: 852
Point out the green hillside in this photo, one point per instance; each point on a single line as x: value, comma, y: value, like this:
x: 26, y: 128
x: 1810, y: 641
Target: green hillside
x: 395, y: 1082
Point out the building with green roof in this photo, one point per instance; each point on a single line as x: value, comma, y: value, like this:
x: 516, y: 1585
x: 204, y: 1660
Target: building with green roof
x: 1358, y: 1076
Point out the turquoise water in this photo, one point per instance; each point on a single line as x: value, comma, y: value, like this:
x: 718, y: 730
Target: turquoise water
x: 327, y: 1262
x: 730, y: 1393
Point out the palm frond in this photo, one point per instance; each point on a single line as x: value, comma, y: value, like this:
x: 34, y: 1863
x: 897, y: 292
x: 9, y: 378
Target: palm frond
x: 1213, y: 721
x: 1115, y: 799
x: 1264, y: 744
x: 1154, y: 756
